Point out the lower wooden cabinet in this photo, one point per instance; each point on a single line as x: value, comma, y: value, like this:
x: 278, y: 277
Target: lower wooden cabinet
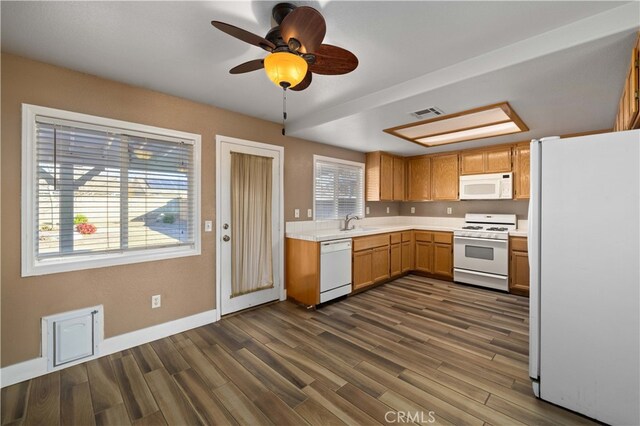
x: 434, y: 253
x: 407, y: 250
x: 303, y: 271
x: 380, y: 264
x: 518, y: 266
x: 370, y: 260
x: 395, y: 259
x: 362, y: 273
x: 443, y: 260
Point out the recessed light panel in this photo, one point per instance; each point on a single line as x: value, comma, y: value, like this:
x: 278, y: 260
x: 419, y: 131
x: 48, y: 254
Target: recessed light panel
x: 478, y: 123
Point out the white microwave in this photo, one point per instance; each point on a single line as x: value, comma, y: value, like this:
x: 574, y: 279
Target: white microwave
x: 491, y: 186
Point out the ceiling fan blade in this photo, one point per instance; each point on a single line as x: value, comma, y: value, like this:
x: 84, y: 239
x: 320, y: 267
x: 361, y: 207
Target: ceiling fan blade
x: 306, y: 25
x: 306, y: 81
x: 333, y: 60
x: 244, y: 35
x: 248, y: 66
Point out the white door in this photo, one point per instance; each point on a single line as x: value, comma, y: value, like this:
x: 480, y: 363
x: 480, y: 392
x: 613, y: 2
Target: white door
x: 227, y: 301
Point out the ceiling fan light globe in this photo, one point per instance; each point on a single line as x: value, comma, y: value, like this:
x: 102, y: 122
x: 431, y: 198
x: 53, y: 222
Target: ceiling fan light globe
x: 285, y: 67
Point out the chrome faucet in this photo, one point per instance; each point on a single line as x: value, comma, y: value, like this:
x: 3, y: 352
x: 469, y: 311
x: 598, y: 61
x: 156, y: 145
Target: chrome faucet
x: 347, y: 220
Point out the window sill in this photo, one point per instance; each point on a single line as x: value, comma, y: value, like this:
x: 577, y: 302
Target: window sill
x: 78, y: 263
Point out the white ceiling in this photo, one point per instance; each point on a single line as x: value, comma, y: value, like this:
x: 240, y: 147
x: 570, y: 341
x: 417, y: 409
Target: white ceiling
x: 559, y: 64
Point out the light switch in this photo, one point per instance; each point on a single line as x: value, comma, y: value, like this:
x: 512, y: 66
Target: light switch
x: 367, y: 210
x: 309, y: 213
x: 296, y: 213
x: 208, y: 226
x: 413, y: 210
x: 388, y: 210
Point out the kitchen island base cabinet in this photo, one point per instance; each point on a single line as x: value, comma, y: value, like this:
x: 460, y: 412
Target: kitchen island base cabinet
x: 518, y: 266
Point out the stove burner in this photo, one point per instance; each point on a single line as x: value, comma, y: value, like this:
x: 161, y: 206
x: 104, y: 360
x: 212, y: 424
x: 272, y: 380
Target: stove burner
x: 497, y: 229
x: 474, y: 227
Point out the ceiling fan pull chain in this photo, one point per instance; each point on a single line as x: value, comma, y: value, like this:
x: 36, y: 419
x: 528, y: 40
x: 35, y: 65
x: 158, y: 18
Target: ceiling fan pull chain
x: 284, y: 109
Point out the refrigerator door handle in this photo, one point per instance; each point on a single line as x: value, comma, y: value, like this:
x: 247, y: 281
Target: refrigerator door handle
x: 533, y: 245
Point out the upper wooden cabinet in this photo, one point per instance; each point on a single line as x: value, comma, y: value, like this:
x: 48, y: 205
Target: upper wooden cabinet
x: 419, y: 178
x: 384, y: 175
x: 628, y: 107
x: 444, y: 177
x: 399, y: 184
x: 496, y: 160
x: 521, y: 171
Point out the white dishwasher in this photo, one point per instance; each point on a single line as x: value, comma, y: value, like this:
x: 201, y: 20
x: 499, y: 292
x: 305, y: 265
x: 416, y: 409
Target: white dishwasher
x: 335, y: 269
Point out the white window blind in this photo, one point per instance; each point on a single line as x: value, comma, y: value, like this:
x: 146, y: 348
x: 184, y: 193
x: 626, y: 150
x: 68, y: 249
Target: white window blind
x: 339, y: 188
x: 102, y: 190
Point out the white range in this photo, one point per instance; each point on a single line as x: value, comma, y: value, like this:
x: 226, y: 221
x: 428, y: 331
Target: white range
x: 481, y: 250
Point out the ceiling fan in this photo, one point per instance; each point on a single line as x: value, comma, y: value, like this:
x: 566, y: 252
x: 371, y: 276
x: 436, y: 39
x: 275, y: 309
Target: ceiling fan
x: 295, y: 46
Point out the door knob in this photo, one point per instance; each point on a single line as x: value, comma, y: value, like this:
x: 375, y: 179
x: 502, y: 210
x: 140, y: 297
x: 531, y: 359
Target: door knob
x: 226, y: 238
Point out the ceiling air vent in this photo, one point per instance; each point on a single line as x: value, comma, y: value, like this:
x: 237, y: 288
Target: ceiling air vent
x: 427, y: 113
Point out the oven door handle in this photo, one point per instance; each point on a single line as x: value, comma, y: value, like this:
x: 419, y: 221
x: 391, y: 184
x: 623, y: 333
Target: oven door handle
x: 482, y: 274
x: 480, y: 239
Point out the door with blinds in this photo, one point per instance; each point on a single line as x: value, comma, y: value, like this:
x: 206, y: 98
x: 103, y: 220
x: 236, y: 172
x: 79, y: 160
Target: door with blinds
x: 249, y: 233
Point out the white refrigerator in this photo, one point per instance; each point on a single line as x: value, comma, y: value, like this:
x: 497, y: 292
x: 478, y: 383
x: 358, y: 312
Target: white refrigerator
x: 584, y: 256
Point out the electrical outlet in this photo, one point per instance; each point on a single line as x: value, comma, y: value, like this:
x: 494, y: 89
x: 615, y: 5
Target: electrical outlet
x: 156, y: 301
x: 309, y: 213
x: 388, y: 210
x: 296, y: 213
x: 449, y: 210
x: 413, y: 210
x: 367, y: 210
x: 208, y: 226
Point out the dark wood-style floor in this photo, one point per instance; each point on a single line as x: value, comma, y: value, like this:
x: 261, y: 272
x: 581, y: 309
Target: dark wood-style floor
x: 424, y: 347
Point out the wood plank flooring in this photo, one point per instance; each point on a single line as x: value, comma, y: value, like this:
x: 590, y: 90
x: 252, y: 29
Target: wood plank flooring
x: 430, y: 349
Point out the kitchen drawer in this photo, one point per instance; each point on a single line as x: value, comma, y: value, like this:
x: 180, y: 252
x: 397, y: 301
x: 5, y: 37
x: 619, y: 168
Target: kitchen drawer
x: 519, y: 244
x: 396, y: 238
x: 426, y: 237
x: 443, y: 237
x: 364, y: 243
x: 407, y: 236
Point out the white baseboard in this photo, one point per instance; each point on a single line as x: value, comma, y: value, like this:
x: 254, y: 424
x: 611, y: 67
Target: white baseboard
x: 38, y: 366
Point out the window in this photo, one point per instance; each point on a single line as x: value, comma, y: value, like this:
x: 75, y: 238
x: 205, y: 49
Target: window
x: 338, y: 188
x: 100, y: 192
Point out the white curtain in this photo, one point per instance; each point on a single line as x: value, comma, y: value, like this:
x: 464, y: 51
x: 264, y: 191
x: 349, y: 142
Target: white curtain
x: 251, y: 226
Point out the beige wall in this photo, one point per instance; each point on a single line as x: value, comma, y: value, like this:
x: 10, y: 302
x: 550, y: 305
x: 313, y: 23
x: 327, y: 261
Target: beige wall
x: 186, y: 284
x: 460, y: 208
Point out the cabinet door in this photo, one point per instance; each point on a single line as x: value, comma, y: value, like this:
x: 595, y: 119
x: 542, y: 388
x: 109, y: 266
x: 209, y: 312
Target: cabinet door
x: 386, y: 177
x: 395, y: 260
x: 444, y: 177
x: 472, y: 163
x: 443, y: 260
x: 498, y: 160
x: 398, y: 179
x: 424, y: 256
x: 380, y: 263
x: 362, y: 261
x: 519, y: 273
x: 522, y: 172
x: 419, y: 178
x: 407, y: 256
